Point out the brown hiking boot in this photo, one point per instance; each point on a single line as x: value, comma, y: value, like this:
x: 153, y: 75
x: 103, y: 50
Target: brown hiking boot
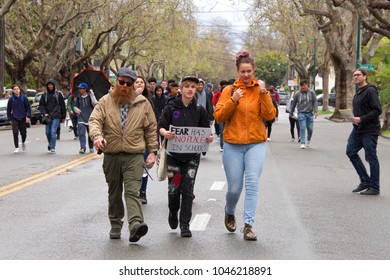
x: 248, y: 233
x: 230, y: 222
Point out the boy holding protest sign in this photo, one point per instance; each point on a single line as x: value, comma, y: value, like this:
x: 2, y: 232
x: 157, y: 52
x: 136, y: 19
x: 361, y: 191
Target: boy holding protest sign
x: 183, y: 111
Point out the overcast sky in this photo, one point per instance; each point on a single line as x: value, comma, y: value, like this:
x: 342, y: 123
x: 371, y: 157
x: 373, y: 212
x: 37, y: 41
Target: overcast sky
x: 230, y: 10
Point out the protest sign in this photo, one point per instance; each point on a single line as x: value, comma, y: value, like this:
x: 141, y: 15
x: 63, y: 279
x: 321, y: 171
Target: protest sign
x: 189, y: 139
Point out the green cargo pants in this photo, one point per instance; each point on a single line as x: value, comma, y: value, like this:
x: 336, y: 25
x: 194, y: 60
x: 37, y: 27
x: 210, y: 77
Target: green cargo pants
x: 124, y: 171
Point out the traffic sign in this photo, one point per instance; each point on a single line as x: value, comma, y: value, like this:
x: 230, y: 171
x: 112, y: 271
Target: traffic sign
x: 367, y: 66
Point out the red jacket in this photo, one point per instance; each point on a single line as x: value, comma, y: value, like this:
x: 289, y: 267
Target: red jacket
x: 216, y: 96
x: 275, y: 95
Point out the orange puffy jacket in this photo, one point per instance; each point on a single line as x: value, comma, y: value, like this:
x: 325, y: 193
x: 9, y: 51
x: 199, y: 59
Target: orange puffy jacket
x: 244, y: 119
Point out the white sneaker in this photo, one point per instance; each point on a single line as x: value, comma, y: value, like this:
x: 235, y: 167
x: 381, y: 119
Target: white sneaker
x: 292, y: 139
x: 268, y: 139
x: 221, y: 150
x: 307, y: 143
x: 303, y: 146
x: 16, y: 151
x: 23, y: 147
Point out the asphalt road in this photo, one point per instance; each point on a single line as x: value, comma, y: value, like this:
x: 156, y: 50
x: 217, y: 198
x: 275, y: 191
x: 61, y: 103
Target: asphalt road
x: 54, y: 207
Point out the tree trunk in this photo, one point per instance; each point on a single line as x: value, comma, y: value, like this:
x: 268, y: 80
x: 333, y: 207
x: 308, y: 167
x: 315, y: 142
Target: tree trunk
x: 386, y: 120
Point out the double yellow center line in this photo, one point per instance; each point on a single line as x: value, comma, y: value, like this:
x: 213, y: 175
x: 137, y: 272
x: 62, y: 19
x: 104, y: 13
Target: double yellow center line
x: 4, y: 190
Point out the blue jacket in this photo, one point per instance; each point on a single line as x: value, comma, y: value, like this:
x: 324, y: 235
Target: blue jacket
x: 18, y: 108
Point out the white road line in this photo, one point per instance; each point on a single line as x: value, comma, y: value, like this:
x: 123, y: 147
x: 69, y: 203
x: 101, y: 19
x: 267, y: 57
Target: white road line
x: 217, y: 186
x: 199, y: 223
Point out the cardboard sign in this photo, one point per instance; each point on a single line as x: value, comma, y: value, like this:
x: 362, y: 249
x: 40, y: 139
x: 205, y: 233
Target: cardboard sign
x: 189, y: 139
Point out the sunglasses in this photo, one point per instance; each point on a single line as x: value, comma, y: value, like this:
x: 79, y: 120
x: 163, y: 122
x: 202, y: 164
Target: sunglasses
x: 129, y: 84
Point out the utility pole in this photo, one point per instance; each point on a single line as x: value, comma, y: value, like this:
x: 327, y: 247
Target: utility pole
x: 315, y: 63
x: 358, y: 59
x: 2, y: 55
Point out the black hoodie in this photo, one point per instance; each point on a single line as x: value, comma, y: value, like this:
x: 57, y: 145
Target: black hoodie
x: 367, y: 106
x: 52, y: 103
x: 176, y: 114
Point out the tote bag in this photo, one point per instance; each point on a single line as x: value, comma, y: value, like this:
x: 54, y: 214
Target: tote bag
x: 162, y: 162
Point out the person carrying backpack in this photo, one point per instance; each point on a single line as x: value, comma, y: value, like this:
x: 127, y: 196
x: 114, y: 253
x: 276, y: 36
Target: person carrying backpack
x: 19, y: 113
x: 52, y: 107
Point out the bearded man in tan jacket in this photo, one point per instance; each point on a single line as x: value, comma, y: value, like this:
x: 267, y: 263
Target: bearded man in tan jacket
x: 122, y: 125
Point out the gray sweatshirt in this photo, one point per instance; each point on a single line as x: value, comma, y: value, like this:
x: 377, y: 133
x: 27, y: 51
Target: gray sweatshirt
x: 84, y: 104
x: 306, y: 102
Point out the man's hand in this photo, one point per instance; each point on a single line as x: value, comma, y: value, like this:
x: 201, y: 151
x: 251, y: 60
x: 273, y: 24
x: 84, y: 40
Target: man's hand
x: 150, y: 160
x: 100, y: 143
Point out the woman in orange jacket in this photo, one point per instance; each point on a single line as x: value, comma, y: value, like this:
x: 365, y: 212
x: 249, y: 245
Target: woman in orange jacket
x: 243, y: 108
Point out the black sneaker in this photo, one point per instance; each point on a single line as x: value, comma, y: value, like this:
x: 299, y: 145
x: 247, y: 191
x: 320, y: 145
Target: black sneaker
x: 185, y: 232
x: 370, y: 191
x: 137, y: 232
x: 142, y: 196
x: 361, y: 187
x: 172, y: 220
x: 115, y: 233
x: 48, y: 148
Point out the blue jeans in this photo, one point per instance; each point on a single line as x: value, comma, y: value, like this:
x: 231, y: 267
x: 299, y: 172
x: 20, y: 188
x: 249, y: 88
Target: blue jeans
x: 83, y: 129
x: 369, y: 143
x: 306, y: 121
x: 51, y: 132
x: 243, y: 162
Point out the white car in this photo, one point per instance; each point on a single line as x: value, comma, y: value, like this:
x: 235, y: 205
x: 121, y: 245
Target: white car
x: 3, y: 112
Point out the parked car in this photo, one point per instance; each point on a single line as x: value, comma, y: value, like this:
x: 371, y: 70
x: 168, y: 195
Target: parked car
x: 35, y: 113
x: 283, y: 95
x: 331, y: 99
x: 30, y: 94
x: 3, y: 112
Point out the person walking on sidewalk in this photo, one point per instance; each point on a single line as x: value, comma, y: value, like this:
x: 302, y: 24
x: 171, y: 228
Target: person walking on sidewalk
x: 366, y: 129
x: 306, y: 102
x: 122, y: 125
x: 83, y: 107
x: 19, y: 113
x: 243, y: 107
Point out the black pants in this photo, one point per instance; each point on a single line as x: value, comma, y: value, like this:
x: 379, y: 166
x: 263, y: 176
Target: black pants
x: 268, y: 124
x: 74, y: 125
x: 19, y: 125
x: 292, y: 125
x: 216, y: 127
x: 181, y: 181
